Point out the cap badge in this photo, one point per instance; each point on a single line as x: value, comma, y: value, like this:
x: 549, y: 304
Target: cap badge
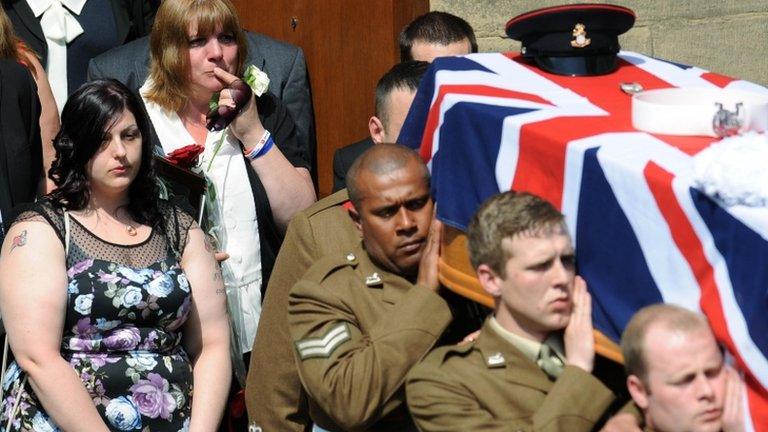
x: 373, y: 279
x: 580, y: 36
x: 495, y: 360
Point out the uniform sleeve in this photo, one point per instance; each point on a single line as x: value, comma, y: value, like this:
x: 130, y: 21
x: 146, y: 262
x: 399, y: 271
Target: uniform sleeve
x: 353, y: 376
x: 273, y: 394
x: 439, y: 402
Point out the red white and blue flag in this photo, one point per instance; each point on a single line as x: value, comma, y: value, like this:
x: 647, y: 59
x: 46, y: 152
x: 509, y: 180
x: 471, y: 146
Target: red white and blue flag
x: 487, y: 123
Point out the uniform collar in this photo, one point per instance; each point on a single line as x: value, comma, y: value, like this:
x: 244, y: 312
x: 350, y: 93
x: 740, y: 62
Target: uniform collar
x: 40, y: 6
x: 498, y: 353
x: 530, y: 348
x: 374, y: 276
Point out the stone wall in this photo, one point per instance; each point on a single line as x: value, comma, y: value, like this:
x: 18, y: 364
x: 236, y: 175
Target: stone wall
x: 728, y: 37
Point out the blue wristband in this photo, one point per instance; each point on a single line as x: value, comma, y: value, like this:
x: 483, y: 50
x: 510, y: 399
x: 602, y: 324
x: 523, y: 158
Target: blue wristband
x: 259, y: 152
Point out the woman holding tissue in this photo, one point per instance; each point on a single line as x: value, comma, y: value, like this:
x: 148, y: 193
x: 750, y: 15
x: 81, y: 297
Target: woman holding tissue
x: 259, y: 172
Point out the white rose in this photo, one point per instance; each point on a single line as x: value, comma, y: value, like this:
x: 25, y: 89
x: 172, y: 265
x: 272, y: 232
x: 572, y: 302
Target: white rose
x: 256, y: 79
x: 131, y: 296
x: 83, y: 304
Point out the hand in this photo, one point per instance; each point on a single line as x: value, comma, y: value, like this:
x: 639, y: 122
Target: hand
x: 621, y: 422
x: 579, y: 340
x: 247, y: 126
x: 733, y: 412
x: 430, y: 256
x: 470, y: 337
x: 221, y: 256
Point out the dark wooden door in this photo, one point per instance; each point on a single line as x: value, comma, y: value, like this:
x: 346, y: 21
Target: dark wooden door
x: 348, y: 44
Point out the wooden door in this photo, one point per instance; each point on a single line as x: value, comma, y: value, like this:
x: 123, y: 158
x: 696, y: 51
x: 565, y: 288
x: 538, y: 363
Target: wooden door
x: 348, y: 44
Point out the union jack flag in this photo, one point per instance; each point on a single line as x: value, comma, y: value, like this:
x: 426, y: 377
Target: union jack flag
x: 487, y: 123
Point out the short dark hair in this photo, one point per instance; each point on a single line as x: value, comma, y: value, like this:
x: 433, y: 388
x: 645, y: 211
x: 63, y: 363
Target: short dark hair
x: 89, y: 112
x: 504, y: 216
x: 435, y: 27
x: 404, y: 76
x: 380, y: 160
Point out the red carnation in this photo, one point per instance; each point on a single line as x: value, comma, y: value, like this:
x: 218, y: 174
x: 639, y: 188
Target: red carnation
x: 185, y: 157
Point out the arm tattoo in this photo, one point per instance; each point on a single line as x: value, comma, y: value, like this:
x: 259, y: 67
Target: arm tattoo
x: 19, y: 241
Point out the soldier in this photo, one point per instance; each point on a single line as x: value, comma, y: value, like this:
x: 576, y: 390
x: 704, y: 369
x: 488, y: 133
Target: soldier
x: 531, y: 366
x: 273, y: 394
x: 360, y: 320
x: 676, y: 373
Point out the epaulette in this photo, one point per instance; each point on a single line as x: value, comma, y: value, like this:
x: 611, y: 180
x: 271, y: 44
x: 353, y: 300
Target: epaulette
x: 330, y: 201
x: 327, y: 265
x: 442, y: 354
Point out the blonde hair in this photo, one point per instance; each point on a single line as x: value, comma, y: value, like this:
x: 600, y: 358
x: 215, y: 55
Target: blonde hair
x: 669, y: 317
x: 168, y: 44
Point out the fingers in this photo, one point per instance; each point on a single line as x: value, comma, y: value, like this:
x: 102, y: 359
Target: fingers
x: 732, y: 401
x: 470, y: 337
x: 220, y: 256
x: 225, y: 77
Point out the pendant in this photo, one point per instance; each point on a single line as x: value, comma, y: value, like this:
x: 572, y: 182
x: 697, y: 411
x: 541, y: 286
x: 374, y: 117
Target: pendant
x: 131, y: 230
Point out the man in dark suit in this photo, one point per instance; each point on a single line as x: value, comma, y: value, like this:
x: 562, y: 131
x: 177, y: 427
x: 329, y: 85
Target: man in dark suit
x: 394, y: 96
x: 21, y: 157
x: 282, y: 62
x: 129, y: 19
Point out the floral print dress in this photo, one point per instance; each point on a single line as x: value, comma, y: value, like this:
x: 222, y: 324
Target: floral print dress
x: 126, y: 306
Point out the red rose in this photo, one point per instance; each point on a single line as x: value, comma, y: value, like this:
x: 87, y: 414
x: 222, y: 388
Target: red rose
x: 185, y: 157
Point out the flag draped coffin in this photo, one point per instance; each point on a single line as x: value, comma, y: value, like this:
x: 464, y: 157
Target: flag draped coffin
x: 643, y: 234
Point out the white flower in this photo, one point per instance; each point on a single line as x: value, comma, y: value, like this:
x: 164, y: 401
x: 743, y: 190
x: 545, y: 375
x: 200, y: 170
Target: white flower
x: 83, y: 304
x: 130, y: 296
x: 123, y: 414
x: 132, y: 275
x: 161, y: 286
x: 185, y: 426
x: 256, y: 79
x: 41, y: 423
x: 141, y: 362
x: 11, y: 374
x: 183, y: 282
x: 733, y: 170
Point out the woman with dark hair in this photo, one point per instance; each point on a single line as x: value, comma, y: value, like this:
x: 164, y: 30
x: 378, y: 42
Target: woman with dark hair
x: 259, y: 171
x: 111, y: 298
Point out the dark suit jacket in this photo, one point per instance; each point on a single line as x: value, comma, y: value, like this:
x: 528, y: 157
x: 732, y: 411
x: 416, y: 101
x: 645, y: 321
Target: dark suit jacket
x: 133, y: 19
x: 343, y: 159
x: 21, y: 155
x: 283, y: 63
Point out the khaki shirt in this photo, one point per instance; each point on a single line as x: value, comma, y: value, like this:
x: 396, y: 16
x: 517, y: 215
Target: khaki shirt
x: 273, y: 393
x: 357, y: 331
x: 490, y: 385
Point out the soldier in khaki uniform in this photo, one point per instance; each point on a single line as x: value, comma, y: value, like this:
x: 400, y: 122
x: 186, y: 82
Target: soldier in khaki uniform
x: 360, y: 320
x: 274, y: 397
x: 530, y: 368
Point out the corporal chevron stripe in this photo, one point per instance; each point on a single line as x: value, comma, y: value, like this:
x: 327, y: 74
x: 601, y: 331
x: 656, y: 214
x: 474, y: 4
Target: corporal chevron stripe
x: 323, y: 346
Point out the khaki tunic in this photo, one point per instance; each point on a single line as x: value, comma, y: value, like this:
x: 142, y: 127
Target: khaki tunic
x: 274, y: 396
x: 490, y: 385
x: 358, y: 330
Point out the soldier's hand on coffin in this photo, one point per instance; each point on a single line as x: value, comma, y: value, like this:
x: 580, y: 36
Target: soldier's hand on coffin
x: 430, y: 256
x: 579, y: 340
x: 733, y: 411
x: 246, y: 126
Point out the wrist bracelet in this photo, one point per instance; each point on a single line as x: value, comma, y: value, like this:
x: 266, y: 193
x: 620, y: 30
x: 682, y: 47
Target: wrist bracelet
x: 259, y: 152
x: 259, y: 145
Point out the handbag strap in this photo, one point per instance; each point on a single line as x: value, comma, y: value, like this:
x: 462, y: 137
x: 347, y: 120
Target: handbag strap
x: 66, y: 234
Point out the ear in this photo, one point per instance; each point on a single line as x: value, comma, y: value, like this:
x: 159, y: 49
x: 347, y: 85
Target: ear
x: 355, y: 218
x: 489, y: 280
x: 376, y: 128
x: 638, y: 391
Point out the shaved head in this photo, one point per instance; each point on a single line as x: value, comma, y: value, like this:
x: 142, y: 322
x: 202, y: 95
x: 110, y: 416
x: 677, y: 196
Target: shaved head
x: 381, y: 160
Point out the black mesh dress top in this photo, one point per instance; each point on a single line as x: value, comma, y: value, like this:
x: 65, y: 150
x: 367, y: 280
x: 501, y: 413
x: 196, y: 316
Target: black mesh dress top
x: 126, y: 306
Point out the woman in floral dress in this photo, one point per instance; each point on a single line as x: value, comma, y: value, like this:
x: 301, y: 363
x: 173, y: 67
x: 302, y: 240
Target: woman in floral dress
x: 112, y: 300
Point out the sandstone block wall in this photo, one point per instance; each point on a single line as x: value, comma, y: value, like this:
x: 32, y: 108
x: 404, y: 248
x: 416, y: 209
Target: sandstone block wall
x: 728, y: 37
